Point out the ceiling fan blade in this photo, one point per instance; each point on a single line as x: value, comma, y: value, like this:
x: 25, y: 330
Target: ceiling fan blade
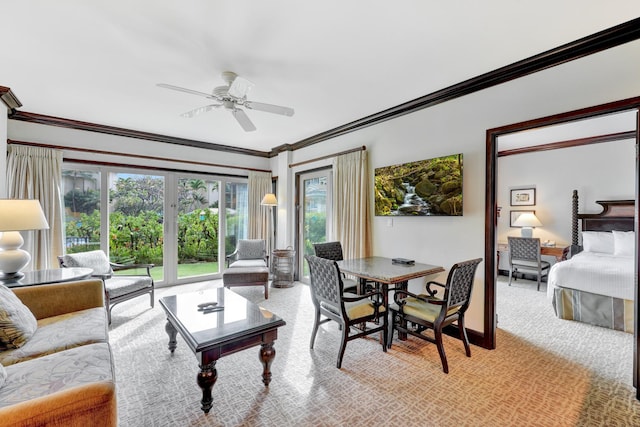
x: 243, y: 119
x: 181, y: 89
x: 200, y: 110
x: 269, y: 108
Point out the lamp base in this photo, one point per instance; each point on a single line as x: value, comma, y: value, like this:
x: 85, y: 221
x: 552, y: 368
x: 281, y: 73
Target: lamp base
x: 11, y: 277
x: 526, y: 232
x: 12, y: 258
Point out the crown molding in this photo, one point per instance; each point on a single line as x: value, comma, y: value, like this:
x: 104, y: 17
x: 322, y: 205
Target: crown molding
x: 9, y: 98
x: 111, y: 130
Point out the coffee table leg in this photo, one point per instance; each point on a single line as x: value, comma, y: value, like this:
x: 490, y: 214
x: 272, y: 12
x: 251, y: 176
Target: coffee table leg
x: 267, y: 354
x: 206, y: 379
x: 172, y: 332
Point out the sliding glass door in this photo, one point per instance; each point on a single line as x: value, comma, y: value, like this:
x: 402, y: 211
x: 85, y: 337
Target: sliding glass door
x: 183, y: 224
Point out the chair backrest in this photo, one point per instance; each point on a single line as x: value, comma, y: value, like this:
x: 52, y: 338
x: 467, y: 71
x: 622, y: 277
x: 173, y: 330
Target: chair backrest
x: 329, y: 250
x: 524, y: 249
x: 96, y: 260
x: 326, y: 283
x: 251, y: 249
x: 460, y: 283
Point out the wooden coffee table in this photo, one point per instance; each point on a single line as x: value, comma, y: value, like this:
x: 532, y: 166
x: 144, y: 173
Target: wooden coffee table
x: 212, y: 334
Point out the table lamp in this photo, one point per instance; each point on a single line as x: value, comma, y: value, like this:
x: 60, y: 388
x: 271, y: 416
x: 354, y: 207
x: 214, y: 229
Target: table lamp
x: 16, y: 216
x: 527, y: 221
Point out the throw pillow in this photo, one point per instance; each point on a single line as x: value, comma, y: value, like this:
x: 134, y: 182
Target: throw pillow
x: 3, y: 375
x: 624, y: 243
x: 17, y: 323
x: 598, y: 241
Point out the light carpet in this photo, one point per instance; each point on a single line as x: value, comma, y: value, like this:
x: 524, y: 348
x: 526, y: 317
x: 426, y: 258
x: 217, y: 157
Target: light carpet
x: 544, y: 372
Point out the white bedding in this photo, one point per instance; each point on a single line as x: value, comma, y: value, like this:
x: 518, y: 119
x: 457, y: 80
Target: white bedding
x: 594, y: 272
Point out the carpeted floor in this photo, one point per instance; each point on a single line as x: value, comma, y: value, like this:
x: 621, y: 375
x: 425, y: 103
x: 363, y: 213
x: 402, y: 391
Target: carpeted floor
x: 544, y: 372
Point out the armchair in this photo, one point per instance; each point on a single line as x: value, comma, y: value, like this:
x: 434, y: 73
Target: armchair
x: 117, y: 288
x: 249, y: 253
x: 350, y: 311
x: 432, y: 312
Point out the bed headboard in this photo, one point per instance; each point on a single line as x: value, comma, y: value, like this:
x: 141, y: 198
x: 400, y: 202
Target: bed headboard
x: 616, y: 215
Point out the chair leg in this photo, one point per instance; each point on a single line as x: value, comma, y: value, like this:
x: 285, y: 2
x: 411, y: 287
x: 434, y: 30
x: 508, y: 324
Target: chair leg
x: 463, y: 336
x: 539, y: 276
x: 385, y: 331
x: 152, y: 298
x: 316, y: 324
x: 343, y: 344
x: 510, y: 275
x: 443, y: 357
x: 391, y: 327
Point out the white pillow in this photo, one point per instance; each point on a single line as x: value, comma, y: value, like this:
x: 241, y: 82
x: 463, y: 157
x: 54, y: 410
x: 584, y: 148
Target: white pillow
x: 624, y: 243
x: 3, y: 375
x: 598, y: 241
x: 17, y: 322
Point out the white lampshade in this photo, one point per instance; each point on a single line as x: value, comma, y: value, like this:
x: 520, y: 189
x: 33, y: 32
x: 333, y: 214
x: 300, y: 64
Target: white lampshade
x: 527, y: 221
x: 269, y: 199
x: 15, y: 216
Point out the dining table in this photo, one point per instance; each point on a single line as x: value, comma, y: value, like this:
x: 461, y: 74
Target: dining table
x: 389, y: 274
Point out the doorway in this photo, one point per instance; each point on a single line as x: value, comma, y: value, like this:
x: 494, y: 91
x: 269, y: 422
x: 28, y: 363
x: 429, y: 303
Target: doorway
x: 491, y: 209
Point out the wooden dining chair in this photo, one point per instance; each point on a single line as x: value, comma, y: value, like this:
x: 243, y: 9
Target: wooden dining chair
x: 333, y: 251
x: 434, y: 311
x: 353, y: 313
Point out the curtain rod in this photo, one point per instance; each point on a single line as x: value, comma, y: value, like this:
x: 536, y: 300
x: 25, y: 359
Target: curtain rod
x: 139, y: 156
x: 328, y: 156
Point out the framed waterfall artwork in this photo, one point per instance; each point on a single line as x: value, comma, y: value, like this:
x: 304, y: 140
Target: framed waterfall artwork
x: 431, y: 187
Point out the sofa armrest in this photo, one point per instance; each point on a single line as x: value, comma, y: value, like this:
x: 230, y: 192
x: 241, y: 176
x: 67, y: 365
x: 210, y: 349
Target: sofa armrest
x: 60, y: 298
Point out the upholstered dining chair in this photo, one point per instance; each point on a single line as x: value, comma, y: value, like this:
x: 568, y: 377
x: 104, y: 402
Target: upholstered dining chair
x: 524, y: 257
x: 350, y: 311
x: 433, y: 311
x: 333, y: 251
x: 117, y: 288
x: 249, y: 253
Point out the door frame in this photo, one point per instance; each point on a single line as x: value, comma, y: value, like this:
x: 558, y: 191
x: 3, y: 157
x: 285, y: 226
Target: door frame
x: 488, y: 339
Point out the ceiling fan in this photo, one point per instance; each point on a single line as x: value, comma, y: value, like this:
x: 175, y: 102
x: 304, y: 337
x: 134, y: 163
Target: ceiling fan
x: 232, y: 96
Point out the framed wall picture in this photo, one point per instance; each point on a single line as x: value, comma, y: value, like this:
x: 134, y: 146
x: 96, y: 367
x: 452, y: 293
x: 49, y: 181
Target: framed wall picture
x: 514, y: 216
x: 523, y: 197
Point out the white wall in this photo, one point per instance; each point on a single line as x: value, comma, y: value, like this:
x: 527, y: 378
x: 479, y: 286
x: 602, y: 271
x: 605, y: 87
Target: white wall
x: 599, y: 172
x: 460, y: 126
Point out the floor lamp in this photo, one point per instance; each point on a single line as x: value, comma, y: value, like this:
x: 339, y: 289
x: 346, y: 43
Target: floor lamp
x: 16, y: 216
x: 270, y: 201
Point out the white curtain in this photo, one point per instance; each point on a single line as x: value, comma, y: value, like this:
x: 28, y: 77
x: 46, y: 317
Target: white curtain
x: 351, y: 207
x: 259, y: 222
x: 36, y: 173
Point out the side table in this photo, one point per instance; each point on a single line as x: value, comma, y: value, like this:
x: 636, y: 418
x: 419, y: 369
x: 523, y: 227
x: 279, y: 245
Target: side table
x: 54, y: 275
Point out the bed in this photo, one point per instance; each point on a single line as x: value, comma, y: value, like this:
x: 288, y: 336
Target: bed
x: 597, y: 284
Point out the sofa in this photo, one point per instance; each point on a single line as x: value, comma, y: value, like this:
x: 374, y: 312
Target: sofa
x: 56, y: 366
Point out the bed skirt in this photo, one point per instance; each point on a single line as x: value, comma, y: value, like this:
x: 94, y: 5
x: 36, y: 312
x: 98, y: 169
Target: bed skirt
x: 598, y: 310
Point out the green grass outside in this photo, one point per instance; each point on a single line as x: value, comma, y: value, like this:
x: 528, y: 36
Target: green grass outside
x: 184, y: 270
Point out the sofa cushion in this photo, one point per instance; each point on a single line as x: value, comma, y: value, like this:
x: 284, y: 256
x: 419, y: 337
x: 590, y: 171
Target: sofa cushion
x: 123, y: 285
x: 17, y: 323
x: 57, y: 372
x: 3, y: 375
x: 61, y: 332
x: 248, y: 263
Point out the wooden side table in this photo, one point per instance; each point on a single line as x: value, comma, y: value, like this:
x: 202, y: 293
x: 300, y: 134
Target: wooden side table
x: 54, y: 275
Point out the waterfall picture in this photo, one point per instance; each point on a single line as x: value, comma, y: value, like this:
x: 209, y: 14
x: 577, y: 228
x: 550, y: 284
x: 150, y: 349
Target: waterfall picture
x: 431, y: 187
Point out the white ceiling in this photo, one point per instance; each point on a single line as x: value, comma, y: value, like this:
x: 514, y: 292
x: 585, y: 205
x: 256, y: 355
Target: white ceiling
x: 332, y: 61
